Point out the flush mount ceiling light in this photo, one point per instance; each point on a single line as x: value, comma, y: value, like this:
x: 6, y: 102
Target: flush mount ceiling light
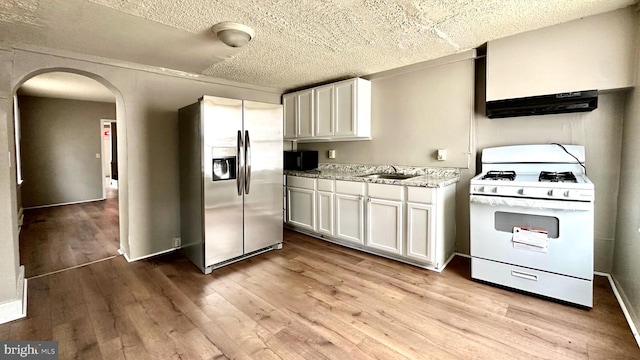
x: 233, y: 34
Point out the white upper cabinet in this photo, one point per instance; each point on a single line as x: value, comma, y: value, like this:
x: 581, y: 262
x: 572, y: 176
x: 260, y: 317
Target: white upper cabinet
x: 346, y: 112
x: 340, y: 111
x: 324, y: 110
x: 592, y: 53
x: 298, y: 115
x: 289, y: 104
x: 304, y: 112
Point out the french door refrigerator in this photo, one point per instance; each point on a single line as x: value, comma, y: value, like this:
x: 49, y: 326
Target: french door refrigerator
x: 230, y: 180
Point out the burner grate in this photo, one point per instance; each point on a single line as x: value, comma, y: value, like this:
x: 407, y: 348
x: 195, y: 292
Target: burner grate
x: 552, y: 176
x: 507, y: 175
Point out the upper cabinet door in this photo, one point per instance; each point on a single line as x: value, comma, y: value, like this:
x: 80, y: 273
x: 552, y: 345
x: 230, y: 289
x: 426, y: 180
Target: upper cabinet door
x: 334, y: 112
x: 289, y: 103
x: 304, y: 107
x: 324, y: 110
x: 345, y: 108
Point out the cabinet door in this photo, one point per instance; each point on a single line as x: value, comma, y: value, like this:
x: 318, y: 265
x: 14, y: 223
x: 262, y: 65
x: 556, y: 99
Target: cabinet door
x: 420, y: 232
x: 325, y: 212
x: 324, y: 110
x: 304, y: 110
x: 289, y: 104
x: 384, y: 225
x: 345, y: 108
x: 301, y: 208
x: 350, y: 218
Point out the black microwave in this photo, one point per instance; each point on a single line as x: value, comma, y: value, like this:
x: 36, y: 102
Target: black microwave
x: 300, y: 160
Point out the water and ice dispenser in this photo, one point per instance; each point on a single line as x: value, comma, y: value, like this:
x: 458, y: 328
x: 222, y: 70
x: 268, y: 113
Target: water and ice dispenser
x: 224, y: 164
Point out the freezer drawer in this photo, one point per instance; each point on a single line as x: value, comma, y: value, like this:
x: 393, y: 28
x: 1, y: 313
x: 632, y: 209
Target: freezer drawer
x: 561, y: 287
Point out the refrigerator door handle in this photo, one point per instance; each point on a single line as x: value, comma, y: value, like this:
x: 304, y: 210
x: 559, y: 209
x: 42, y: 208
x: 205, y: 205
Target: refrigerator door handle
x: 239, y: 166
x: 247, y: 162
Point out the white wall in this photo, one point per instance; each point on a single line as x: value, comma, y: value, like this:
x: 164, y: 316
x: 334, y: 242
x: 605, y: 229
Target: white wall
x: 626, y: 257
x: 9, y: 262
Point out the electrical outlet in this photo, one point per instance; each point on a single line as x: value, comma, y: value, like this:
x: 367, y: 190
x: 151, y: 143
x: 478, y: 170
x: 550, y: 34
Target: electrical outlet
x: 332, y: 154
x: 442, y: 155
x: 177, y: 242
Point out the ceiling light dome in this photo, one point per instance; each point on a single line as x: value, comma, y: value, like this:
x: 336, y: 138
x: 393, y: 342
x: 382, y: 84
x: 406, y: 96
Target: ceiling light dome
x: 233, y: 34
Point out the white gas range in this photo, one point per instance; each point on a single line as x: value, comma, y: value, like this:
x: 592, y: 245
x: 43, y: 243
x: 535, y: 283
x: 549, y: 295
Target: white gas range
x: 531, y: 211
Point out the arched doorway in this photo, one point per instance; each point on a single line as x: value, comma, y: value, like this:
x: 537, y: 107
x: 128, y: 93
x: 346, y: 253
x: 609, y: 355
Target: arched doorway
x: 67, y: 220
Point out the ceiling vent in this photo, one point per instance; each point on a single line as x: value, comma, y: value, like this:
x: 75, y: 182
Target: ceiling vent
x: 576, y: 101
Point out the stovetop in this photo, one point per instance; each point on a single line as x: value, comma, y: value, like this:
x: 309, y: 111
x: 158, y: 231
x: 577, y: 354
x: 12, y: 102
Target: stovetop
x: 543, y: 176
x: 570, y: 187
x: 546, y: 172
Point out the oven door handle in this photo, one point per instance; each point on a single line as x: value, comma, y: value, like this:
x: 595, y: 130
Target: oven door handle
x: 531, y: 203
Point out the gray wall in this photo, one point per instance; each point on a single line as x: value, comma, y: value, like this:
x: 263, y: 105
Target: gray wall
x: 414, y: 112
x: 626, y: 257
x: 412, y: 115
x: 59, y: 143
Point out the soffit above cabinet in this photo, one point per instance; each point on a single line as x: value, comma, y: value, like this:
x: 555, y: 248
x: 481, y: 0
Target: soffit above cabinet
x: 597, y: 52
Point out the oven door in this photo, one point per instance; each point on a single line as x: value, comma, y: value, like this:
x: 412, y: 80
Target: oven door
x: 566, y: 249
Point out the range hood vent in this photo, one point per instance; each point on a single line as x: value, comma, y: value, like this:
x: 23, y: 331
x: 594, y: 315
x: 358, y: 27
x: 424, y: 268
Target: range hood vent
x: 577, y: 101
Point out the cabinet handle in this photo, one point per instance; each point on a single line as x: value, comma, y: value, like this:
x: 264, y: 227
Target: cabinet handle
x: 524, y: 275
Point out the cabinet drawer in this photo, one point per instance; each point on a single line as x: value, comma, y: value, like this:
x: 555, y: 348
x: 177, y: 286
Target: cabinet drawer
x: 349, y: 187
x: 421, y: 194
x: 325, y: 185
x: 556, y: 286
x: 301, y: 182
x: 383, y: 191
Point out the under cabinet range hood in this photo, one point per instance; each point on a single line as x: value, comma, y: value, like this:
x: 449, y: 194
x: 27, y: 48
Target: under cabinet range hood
x: 576, y: 101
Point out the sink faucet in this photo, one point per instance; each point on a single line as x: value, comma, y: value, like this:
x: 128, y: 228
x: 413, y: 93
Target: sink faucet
x: 394, y: 169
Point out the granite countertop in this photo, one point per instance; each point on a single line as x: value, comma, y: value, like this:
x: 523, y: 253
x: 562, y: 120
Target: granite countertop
x: 424, y: 176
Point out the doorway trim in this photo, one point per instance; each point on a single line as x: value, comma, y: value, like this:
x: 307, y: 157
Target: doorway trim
x: 103, y: 153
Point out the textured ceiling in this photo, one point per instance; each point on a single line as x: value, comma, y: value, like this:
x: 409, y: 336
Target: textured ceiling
x: 297, y: 42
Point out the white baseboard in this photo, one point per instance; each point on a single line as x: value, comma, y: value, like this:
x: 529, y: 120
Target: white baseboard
x: 146, y: 256
x: 62, y: 204
x: 16, y: 309
x: 625, y: 311
x: 463, y: 255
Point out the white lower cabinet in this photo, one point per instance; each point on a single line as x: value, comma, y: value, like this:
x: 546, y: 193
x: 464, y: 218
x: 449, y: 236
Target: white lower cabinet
x: 420, y: 234
x: 301, y: 202
x: 384, y: 218
x: 411, y: 224
x: 384, y: 225
x: 325, y: 207
x: 350, y: 211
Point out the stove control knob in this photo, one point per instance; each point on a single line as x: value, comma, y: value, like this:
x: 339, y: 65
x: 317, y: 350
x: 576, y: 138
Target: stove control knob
x: 496, y: 190
x: 523, y: 191
x: 479, y: 188
x: 555, y: 192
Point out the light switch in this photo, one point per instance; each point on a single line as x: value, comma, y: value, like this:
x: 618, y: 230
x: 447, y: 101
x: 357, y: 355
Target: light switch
x: 332, y: 154
x: 442, y: 155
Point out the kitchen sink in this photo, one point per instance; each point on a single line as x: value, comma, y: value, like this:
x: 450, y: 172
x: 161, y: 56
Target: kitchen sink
x: 387, y: 176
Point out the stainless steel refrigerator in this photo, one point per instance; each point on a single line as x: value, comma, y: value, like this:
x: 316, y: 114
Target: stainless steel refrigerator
x: 230, y: 180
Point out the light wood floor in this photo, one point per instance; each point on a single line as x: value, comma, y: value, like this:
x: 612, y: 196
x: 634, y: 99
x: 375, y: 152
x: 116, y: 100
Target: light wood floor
x: 61, y: 237
x: 310, y: 300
